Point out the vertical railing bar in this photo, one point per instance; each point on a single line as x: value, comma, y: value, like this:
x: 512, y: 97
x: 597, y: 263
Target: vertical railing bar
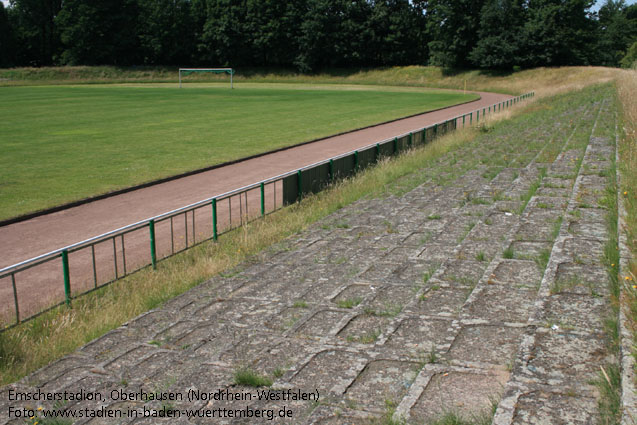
x: 172, y: 237
x: 15, y: 299
x: 230, y: 210
x: 240, y: 211
x: 153, y: 245
x: 186, y: 227
x: 94, y: 266
x: 67, y: 277
x: 214, y: 219
x: 262, y: 199
x: 194, y: 233
x: 115, y: 258
x: 124, y: 254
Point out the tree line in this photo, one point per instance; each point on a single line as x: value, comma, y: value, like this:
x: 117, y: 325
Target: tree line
x: 310, y: 35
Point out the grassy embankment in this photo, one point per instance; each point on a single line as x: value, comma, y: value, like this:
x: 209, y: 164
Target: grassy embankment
x: 627, y: 91
x: 36, y: 343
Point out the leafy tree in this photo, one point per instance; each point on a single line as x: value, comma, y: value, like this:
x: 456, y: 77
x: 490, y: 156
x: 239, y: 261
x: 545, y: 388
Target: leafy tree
x: 617, y: 32
x: 499, y: 42
x: 96, y: 32
x: 35, y: 30
x: 274, y: 30
x: 558, y: 32
x: 399, y: 33
x: 166, y: 32
x: 225, y: 39
x: 7, y: 42
x: 453, y: 28
x: 322, y: 40
x: 630, y: 60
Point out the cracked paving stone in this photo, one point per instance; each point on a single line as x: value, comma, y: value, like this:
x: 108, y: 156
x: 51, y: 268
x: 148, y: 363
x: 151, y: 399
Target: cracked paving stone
x: 465, y: 393
x: 499, y: 303
x: 496, y: 345
x: 541, y: 407
x: 566, y: 357
x: 416, y: 335
x: 320, y: 323
x: 382, y: 381
x: 439, y: 300
x: 330, y: 371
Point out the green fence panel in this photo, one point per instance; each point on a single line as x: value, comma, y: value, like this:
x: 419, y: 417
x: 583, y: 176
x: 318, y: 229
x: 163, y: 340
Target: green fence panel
x: 290, y: 189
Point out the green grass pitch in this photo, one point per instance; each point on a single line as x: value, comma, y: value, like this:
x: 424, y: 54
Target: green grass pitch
x: 63, y: 143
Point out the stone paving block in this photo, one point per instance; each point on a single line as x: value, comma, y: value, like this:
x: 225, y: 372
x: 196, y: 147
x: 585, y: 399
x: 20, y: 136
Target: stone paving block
x: 439, y: 300
x: 392, y: 297
x: 329, y: 371
x: 535, y: 232
x: 547, y: 203
x: 320, y: 323
x: 281, y: 355
x: 125, y: 361
x: 478, y: 250
x: 519, y: 274
x: 355, y: 293
x: 553, y: 192
x: 436, y: 252
x: 580, y: 279
x: 464, y: 393
x: 113, y: 343
x: 584, y: 250
x: 456, y: 231
x: 500, y: 303
x: 382, y: 381
x: 542, y: 407
x: 508, y: 206
x: 416, y: 336
x: 527, y: 249
x: 566, y: 357
x: 286, y: 319
x: 194, y: 337
x: 418, y: 239
x: 400, y: 254
x: 495, y: 345
x: 245, y: 348
x: 464, y: 273
x: 153, y: 321
x: 576, y: 311
x: 588, y: 229
x: 364, y: 329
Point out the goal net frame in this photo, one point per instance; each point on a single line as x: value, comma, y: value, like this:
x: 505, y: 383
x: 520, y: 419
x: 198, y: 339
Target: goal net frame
x: 188, y: 71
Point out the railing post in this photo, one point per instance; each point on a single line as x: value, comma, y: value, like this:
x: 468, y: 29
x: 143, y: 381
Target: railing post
x: 153, y: 250
x: 470, y: 118
x: 355, y: 161
x: 377, y: 152
x: 463, y: 118
x: 67, y: 277
x: 214, y: 220
x: 15, y: 299
x: 395, y: 144
x: 262, y: 199
x: 331, y: 170
x: 435, y: 131
x: 424, y: 136
x: 410, y: 140
x: 478, y: 115
x: 300, y: 182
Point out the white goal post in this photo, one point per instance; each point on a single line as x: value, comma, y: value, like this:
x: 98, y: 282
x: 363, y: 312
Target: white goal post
x: 187, y: 71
